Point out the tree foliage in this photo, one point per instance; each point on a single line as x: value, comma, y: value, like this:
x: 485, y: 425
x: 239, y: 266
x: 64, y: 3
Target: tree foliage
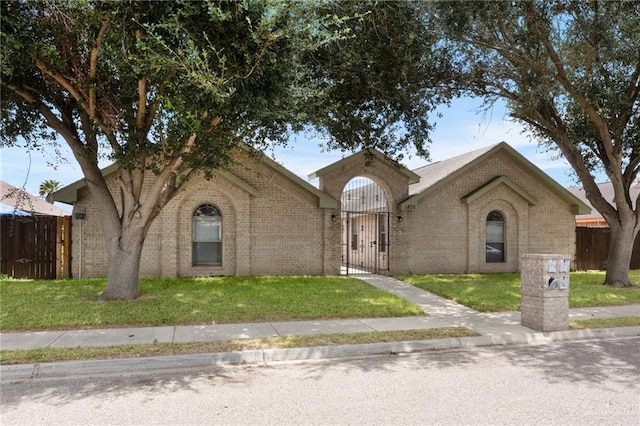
x: 168, y: 89
x: 570, y: 71
x: 47, y: 188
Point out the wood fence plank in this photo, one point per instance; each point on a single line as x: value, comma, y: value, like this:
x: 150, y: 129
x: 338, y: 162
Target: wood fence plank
x: 592, y: 249
x: 29, y: 247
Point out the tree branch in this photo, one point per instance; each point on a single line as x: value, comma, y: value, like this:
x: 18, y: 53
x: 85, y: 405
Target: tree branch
x: 631, y: 94
x: 93, y: 66
x: 561, y: 77
x: 20, y: 92
x: 142, y: 102
x: 66, y: 84
x: 160, y: 185
x: 74, y: 92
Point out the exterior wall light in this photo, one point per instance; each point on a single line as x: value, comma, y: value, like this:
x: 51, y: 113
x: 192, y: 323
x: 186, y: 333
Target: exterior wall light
x: 333, y: 218
x: 400, y: 218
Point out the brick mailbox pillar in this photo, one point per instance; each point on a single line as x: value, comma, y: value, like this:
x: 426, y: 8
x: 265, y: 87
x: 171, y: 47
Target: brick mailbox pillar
x: 545, y: 291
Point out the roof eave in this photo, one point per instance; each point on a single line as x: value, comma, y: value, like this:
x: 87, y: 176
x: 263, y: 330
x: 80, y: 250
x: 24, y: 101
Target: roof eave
x: 69, y: 194
x: 577, y: 205
x: 324, y: 201
x: 499, y: 180
x: 411, y: 176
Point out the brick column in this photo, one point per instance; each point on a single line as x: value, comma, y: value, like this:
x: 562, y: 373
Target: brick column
x: 545, y: 291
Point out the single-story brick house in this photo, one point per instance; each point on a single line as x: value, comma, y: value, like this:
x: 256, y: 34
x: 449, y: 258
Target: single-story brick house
x: 477, y: 212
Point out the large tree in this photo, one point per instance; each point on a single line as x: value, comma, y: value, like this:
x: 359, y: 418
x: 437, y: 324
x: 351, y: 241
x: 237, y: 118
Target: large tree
x: 168, y: 89
x: 570, y: 71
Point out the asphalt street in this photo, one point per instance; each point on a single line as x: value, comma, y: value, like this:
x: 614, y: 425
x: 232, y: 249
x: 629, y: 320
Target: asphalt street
x: 589, y: 382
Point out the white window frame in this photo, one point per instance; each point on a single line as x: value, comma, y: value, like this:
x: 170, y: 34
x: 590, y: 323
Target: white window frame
x: 211, y: 244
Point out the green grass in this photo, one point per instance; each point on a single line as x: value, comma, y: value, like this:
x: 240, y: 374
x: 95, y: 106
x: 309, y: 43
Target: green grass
x: 604, y: 323
x: 501, y: 292
x: 41, y: 305
x: 161, y: 349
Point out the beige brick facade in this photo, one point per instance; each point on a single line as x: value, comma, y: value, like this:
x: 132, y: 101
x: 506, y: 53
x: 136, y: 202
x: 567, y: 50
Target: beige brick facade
x: 449, y: 235
x: 275, y: 223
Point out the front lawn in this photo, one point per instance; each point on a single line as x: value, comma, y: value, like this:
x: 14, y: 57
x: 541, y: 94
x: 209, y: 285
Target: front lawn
x: 501, y: 292
x: 40, y: 305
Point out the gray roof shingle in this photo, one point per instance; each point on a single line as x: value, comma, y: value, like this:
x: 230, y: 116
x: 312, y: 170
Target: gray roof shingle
x: 606, y: 189
x: 16, y: 198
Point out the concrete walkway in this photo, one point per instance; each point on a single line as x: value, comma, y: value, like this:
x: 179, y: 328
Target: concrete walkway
x: 441, y: 312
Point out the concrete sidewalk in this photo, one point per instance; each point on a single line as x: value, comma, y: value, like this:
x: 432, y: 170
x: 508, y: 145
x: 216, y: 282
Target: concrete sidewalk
x: 498, y: 326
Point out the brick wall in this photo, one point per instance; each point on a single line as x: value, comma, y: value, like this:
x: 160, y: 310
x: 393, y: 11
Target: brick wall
x: 282, y: 230
x: 448, y: 236
x: 395, y: 186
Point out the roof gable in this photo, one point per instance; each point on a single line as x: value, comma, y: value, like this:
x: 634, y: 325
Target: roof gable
x: 324, y: 200
x: 495, y: 182
x: 436, y: 175
x: 411, y: 176
x: 69, y: 194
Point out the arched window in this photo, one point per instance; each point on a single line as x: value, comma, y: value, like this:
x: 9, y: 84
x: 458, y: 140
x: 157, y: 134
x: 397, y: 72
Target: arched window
x: 206, y: 236
x: 495, y: 238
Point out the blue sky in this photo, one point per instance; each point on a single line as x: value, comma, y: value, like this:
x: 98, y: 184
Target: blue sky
x: 461, y: 129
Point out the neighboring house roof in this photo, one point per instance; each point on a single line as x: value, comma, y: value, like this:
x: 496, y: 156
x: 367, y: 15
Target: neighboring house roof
x: 6, y: 210
x: 606, y: 189
x: 434, y: 176
x: 14, y: 199
x: 69, y: 194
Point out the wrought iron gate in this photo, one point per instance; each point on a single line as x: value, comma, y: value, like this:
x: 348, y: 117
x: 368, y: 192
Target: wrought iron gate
x: 365, y: 228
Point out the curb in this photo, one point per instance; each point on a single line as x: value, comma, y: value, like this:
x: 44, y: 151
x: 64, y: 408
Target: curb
x: 136, y: 366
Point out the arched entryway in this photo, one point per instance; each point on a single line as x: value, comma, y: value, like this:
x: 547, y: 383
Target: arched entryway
x: 364, y: 228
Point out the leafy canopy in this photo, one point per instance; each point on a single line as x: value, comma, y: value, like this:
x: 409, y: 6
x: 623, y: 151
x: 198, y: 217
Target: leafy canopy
x: 146, y: 82
x: 569, y: 70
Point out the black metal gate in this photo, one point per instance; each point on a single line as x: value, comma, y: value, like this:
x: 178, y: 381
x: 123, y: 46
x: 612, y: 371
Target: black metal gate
x: 365, y: 228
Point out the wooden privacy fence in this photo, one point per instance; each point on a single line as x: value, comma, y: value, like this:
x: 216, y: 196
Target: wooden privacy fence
x: 592, y: 248
x: 36, y: 247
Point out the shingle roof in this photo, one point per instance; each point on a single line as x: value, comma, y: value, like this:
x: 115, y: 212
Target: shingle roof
x: 606, y: 189
x: 435, y: 172
x: 18, y: 199
x: 69, y: 194
x: 433, y: 176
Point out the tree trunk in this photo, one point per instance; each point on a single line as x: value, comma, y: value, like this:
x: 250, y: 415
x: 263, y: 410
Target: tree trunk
x: 622, y: 239
x: 124, y: 269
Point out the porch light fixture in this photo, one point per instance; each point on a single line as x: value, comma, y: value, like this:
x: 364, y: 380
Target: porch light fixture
x: 333, y: 218
x: 400, y: 218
